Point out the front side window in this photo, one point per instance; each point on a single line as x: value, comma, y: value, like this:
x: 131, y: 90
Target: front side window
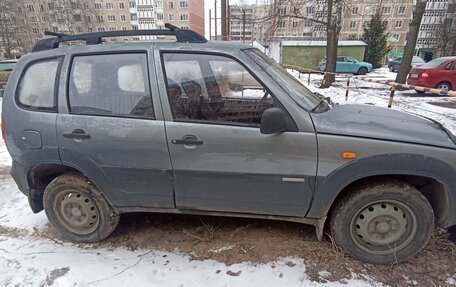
x: 37, y: 86
x: 217, y: 89
x: 110, y: 85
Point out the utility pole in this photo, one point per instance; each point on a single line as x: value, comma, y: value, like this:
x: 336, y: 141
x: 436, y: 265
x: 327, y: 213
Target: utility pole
x: 243, y: 25
x: 215, y: 17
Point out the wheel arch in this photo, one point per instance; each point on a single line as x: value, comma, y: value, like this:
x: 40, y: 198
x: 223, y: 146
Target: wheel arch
x: 430, y: 176
x: 41, y: 175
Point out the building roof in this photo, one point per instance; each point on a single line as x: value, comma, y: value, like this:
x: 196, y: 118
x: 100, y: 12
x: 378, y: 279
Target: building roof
x: 319, y: 43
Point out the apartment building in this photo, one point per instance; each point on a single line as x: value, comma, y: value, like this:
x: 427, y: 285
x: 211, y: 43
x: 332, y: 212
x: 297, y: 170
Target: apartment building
x: 437, y: 27
x: 34, y: 17
x: 396, y: 14
x: 241, y: 23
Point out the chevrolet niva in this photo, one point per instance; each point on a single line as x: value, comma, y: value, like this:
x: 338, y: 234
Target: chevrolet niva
x: 217, y: 128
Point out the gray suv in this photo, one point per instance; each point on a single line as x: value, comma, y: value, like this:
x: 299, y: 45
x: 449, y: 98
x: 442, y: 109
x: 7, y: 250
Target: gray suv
x: 217, y: 128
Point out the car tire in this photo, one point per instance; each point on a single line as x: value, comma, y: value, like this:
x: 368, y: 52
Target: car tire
x: 391, y: 69
x: 382, y: 223
x: 362, y: 71
x: 444, y: 86
x: 77, y: 208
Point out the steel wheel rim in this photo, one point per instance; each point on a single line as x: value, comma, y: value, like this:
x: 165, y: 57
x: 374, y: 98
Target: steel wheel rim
x: 443, y: 87
x: 383, y: 227
x: 76, y: 212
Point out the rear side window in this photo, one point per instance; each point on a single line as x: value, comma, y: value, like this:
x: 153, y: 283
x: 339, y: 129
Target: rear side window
x: 37, y: 86
x: 110, y: 85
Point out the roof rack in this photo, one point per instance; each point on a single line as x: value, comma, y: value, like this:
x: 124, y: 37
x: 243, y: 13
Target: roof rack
x: 182, y: 35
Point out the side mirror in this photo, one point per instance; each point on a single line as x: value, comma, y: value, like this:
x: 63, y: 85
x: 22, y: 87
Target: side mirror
x: 275, y: 120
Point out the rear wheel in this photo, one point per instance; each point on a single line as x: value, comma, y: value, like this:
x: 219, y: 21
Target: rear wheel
x: 77, y: 209
x: 444, y: 86
x: 383, y: 223
x: 362, y: 71
x: 391, y: 68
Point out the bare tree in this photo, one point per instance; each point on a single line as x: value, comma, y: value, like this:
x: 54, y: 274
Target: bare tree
x: 412, y: 36
x: 323, y: 13
x: 445, y: 35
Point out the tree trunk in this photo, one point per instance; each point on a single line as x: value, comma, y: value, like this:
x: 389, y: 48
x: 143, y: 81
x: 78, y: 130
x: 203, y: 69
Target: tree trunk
x: 412, y: 36
x: 332, y: 37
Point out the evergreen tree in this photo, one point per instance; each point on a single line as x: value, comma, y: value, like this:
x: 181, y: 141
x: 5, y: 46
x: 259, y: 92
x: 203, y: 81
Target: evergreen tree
x: 375, y: 37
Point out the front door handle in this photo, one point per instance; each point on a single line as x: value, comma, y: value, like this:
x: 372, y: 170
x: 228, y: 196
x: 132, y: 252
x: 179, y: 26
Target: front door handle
x: 77, y: 134
x: 188, y: 140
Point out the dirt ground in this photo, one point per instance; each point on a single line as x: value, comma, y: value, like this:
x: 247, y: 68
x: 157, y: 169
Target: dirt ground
x: 233, y: 240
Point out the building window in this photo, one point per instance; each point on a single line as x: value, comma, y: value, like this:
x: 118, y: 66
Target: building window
x: 97, y: 6
x: 160, y: 16
x: 132, y: 4
x: 100, y: 18
x: 402, y: 10
x: 32, y: 19
x: 170, y: 4
x: 386, y: 10
x: 295, y: 24
x: 171, y: 17
x: 397, y: 36
x: 77, y: 17
x: 355, y: 10
x: 352, y: 24
x: 281, y: 24
x: 398, y: 24
x: 134, y: 17
x: 79, y: 29
x: 41, y: 8
x: 121, y: 6
x: 101, y: 29
x: 86, y: 6
x: 385, y: 23
x: 366, y: 24
x: 159, y: 4
x: 55, y: 29
x: 123, y: 18
x: 35, y: 30
x: 112, y: 29
x: 184, y: 17
x: 30, y: 8
x: 310, y: 10
x: 282, y: 11
x: 110, y: 6
x: 183, y: 4
x: 124, y: 28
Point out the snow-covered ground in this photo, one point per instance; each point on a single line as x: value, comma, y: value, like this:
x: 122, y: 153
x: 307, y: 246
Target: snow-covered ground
x: 28, y: 257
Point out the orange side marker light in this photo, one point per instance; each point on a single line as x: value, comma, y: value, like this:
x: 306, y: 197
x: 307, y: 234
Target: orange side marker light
x: 349, y: 155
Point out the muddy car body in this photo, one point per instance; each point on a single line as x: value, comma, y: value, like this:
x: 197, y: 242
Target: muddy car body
x: 149, y: 126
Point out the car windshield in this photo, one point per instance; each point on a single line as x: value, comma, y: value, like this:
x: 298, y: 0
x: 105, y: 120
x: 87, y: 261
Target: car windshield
x: 416, y: 59
x: 290, y: 84
x: 434, y: 63
x: 6, y: 66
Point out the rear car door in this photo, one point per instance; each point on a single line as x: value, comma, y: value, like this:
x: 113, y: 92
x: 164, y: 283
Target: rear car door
x: 221, y: 161
x: 111, y: 128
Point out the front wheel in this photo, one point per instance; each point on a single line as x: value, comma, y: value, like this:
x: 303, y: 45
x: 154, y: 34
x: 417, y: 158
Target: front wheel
x: 77, y: 209
x: 362, y: 71
x: 383, y: 223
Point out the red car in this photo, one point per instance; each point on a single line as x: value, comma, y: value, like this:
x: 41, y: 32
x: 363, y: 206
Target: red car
x: 439, y: 73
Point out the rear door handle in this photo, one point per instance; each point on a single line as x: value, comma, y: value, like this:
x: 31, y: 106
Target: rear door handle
x: 77, y: 134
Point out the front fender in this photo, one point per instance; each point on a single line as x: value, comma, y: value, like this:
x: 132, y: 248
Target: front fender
x: 328, y: 188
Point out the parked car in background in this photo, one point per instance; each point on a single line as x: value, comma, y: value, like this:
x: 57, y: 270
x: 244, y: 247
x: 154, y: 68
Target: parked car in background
x: 347, y: 64
x: 6, y: 67
x: 439, y: 73
x: 395, y: 63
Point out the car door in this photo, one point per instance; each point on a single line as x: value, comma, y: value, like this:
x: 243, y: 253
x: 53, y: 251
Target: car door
x: 221, y: 161
x: 352, y: 65
x: 113, y: 131
x: 341, y: 65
